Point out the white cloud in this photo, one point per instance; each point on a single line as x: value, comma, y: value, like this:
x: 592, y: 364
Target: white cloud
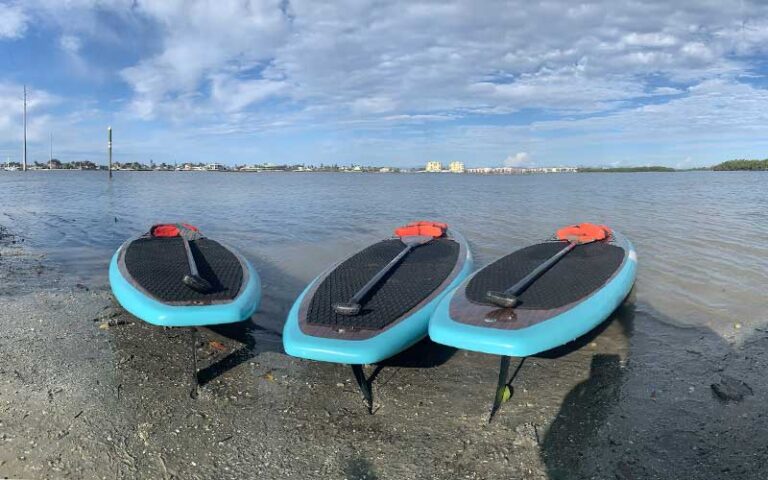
x: 13, y: 21
x: 518, y: 159
x: 666, y: 91
x: 70, y: 44
x: 698, y: 51
x: 373, y: 105
x: 384, y: 59
x: 200, y: 40
x: 715, y: 121
x: 567, y: 89
x: 653, y: 39
x: 234, y: 95
x: 604, y: 70
x: 11, y: 106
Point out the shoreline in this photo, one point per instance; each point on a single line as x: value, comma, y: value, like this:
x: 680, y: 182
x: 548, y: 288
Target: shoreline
x: 93, y: 392
x: 418, y: 172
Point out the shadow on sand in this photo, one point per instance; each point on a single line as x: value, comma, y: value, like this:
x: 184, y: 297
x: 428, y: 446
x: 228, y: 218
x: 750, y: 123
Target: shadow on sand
x: 424, y: 354
x: 623, y: 316
x: 254, y: 338
x: 263, y: 331
x: 655, y: 415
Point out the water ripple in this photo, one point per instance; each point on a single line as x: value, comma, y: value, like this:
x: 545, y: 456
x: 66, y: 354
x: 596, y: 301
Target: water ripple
x: 701, y: 236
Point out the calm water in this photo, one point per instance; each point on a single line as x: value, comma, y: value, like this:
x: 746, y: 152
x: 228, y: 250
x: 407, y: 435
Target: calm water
x: 702, y: 237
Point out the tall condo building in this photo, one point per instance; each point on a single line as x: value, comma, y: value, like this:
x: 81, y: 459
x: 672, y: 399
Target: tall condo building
x: 434, y: 167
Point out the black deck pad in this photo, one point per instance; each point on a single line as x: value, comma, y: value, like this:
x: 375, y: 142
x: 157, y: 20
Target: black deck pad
x: 582, y: 271
x: 159, y: 264
x: 413, y: 279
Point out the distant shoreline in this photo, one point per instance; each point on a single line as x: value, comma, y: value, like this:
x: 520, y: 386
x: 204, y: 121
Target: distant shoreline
x: 729, y: 166
x: 431, y: 167
x: 286, y: 172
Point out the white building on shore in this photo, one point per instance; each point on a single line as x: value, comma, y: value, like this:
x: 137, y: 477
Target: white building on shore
x: 520, y: 170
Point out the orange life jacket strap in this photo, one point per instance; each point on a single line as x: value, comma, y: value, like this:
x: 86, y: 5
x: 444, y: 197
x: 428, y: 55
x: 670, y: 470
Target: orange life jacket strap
x: 427, y: 223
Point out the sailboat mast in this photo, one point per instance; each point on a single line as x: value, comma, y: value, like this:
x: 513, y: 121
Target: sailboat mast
x: 50, y: 158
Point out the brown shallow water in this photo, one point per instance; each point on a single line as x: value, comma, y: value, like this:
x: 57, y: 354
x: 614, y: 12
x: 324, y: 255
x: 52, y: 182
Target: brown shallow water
x: 633, y: 400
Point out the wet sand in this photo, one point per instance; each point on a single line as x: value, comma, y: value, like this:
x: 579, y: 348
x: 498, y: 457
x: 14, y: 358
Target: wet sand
x: 88, y: 391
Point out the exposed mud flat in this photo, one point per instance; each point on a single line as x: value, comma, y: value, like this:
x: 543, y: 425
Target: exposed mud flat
x: 20, y: 270
x: 87, y: 391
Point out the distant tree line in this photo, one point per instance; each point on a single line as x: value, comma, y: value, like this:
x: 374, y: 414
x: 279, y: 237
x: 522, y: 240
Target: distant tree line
x: 57, y: 164
x: 731, y: 165
x: 78, y: 165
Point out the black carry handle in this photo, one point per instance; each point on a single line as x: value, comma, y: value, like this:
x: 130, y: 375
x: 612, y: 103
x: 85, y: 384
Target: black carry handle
x: 353, y: 306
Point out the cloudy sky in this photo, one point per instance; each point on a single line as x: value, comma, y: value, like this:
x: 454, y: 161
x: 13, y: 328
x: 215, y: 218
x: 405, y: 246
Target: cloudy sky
x: 387, y: 82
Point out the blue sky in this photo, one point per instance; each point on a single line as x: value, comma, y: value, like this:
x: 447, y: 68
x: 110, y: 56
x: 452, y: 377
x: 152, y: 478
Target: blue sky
x: 388, y: 83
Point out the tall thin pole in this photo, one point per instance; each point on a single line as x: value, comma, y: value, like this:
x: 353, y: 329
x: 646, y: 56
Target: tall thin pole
x: 109, y: 148
x: 50, y: 158
x: 24, y: 165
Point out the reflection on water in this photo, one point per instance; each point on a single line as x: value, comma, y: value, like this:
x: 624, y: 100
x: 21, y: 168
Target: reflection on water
x: 701, y: 237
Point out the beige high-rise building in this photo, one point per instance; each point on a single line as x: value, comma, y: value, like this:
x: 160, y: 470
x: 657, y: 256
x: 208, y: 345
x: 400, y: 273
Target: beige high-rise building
x: 456, y: 167
x: 434, y: 167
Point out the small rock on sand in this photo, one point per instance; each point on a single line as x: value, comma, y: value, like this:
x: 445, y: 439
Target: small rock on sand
x: 731, y: 389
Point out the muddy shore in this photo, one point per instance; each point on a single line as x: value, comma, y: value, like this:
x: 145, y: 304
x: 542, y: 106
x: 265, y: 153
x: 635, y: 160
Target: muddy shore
x: 88, y: 391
